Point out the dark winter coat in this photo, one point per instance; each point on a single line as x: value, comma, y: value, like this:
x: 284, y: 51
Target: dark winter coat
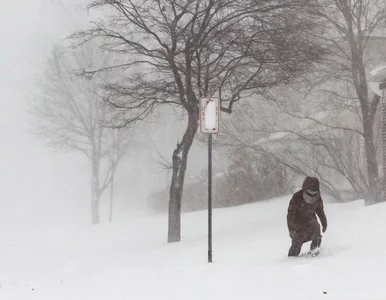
x: 301, y: 216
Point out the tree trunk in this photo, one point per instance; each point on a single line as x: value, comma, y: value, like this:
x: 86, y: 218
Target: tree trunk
x: 180, y: 160
x: 373, y: 195
x: 95, y: 193
x: 111, y: 197
x: 95, y: 210
x: 358, y: 73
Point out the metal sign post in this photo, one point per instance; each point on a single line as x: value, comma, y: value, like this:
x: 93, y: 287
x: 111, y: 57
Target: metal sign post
x: 210, y: 255
x: 209, y: 124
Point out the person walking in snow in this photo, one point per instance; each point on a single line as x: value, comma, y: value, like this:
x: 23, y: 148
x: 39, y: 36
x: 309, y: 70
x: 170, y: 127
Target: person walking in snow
x: 302, y: 223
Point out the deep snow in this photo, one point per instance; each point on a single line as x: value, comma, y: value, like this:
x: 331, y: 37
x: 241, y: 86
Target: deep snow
x: 129, y: 259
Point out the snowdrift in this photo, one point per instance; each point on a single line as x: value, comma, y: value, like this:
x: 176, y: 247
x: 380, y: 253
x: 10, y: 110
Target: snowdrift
x: 129, y: 259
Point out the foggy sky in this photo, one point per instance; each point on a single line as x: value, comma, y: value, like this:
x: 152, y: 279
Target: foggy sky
x: 37, y: 183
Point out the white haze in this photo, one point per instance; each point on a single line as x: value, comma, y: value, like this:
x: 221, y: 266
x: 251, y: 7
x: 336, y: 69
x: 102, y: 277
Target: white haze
x: 40, y: 185
x: 31, y: 188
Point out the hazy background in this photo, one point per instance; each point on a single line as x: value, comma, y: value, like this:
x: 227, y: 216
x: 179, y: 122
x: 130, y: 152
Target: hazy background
x: 37, y: 183
x: 40, y: 185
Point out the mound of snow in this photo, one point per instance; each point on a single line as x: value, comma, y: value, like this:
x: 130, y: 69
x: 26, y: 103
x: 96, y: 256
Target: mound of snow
x: 129, y: 259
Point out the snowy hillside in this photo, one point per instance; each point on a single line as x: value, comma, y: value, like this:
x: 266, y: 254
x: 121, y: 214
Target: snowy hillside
x: 130, y: 259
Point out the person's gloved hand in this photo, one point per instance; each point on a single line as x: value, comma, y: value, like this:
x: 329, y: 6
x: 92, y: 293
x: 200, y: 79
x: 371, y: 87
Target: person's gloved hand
x: 324, y: 229
x: 292, y: 234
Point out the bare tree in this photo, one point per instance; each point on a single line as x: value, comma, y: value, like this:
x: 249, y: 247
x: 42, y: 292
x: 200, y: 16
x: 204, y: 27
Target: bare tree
x: 351, y: 25
x: 71, y: 115
x: 291, y: 144
x: 178, y: 51
x: 334, y: 113
x: 318, y: 127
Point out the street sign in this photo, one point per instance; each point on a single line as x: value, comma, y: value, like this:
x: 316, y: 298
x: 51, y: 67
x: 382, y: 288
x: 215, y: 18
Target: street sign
x: 209, y: 115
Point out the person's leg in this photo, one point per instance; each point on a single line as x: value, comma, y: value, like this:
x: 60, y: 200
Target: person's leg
x: 316, y: 242
x: 294, y: 250
x: 316, y: 237
x: 296, y: 245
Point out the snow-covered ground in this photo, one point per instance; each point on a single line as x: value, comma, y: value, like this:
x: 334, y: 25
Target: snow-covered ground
x: 129, y: 259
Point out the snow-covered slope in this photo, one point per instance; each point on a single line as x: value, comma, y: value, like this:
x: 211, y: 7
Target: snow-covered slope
x: 130, y: 259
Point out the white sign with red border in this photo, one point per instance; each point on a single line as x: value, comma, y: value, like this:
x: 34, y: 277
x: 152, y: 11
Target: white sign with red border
x: 209, y: 115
